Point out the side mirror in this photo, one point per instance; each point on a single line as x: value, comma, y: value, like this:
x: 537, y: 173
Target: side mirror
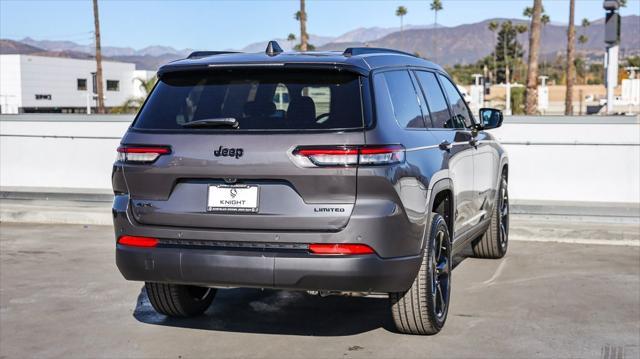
x: 491, y: 118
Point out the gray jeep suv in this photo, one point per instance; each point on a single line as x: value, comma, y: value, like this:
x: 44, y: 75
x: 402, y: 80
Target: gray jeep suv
x: 360, y: 171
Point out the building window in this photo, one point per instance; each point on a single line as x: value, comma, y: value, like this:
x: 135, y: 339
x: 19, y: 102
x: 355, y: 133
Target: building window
x: 113, y: 85
x: 43, y: 97
x: 82, y: 84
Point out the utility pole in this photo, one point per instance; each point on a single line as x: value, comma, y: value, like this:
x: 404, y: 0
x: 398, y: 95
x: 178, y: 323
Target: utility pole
x: 571, y: 68
x: 99, y: 88
x: 612, y: 39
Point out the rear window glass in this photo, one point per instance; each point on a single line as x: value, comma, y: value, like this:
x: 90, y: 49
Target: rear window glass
x: 258, y: 100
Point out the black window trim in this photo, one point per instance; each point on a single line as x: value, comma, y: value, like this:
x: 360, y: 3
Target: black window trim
x: 86, y: 84
x: 446, y: 96
x: 446, y: 99
x: 424, y: 97
x: 413, y: 81
x: 117, y: 88
x: 418, y: 89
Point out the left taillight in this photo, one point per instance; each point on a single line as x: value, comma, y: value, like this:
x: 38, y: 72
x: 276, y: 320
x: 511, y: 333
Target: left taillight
x: 141, y: 154
x: 135, y: 241
x: 330, y: 156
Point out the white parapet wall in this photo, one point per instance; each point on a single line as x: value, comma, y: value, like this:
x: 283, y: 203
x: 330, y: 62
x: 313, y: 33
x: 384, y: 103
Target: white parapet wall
x: 582, y: 159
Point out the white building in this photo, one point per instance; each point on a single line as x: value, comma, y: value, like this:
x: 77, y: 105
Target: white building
x: 52, y: 84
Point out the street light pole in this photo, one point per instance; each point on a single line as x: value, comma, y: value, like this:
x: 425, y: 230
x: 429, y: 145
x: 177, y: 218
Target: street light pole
x: 611, y: 64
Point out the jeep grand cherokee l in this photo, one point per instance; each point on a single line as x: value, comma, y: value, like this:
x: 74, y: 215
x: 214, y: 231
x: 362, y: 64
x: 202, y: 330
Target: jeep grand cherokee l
x: 336, y: 172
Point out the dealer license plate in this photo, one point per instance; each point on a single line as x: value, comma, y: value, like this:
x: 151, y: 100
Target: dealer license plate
x: 232, y: 198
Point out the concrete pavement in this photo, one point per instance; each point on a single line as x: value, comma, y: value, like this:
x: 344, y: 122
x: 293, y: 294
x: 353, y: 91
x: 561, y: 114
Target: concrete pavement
x: 62, y: 296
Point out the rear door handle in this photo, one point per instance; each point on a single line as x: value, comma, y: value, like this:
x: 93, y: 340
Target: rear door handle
x: 445, y: 145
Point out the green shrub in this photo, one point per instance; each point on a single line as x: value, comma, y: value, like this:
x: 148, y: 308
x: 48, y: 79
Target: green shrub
x: 517, y: 100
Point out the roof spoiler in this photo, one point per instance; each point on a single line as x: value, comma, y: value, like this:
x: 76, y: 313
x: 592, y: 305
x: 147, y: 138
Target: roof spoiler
x: 201, y: 54
x: 354, y: 51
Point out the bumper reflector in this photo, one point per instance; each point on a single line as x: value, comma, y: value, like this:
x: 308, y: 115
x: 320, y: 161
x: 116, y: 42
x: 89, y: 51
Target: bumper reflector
x: 134, y: 241
x: 340, y: 249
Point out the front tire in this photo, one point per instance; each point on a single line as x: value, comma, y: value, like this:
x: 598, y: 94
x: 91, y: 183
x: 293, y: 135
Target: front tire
x: 494, y: 242
x: 423, y: 308
x: 177, y: 300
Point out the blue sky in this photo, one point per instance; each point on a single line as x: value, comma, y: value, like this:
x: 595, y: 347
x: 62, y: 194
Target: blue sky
x: 203, y: 24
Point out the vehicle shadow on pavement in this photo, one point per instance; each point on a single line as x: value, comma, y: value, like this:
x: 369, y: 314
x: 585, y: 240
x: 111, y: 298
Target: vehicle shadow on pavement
x: 271, y: 311
x: 279, y: 312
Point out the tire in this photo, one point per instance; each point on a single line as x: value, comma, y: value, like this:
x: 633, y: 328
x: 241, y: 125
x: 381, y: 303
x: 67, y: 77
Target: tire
x: 423, y: 308
x: 494, y: 242
x: 176, y: 300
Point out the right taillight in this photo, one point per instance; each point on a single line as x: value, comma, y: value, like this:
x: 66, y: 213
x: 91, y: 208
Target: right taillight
x: 331, y: 156
x: 141, y: 154
x: 340, y: 249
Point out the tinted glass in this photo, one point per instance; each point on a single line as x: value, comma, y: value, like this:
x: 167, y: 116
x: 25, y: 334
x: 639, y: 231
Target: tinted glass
x: 82, y: 84
x: 404, y: 100
x: 113, y: 85
x: 461, y: 115
x: 258, y: 100
x: 435, y: 99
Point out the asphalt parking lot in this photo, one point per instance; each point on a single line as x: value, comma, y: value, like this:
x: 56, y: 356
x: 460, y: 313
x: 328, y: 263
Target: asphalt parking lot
x: 62, y: 296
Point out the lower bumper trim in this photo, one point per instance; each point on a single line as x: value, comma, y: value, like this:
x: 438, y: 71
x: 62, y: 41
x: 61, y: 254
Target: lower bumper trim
x: 268, y: 269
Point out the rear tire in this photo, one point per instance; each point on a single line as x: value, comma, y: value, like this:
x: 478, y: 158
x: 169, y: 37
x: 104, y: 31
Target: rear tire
x: 176, y: 300
x: 494, y: 242
x: 423, y: 308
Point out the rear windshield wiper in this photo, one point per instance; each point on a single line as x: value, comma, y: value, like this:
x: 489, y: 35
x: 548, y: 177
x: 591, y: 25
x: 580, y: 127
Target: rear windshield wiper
x: 213, y: 122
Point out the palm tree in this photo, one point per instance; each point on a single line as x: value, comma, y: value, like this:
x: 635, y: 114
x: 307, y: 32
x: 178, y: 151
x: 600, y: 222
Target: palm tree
x: 132, y: 104
x: 147, y: 85
x: 436, y: 5
x: 586, y: 23
x: 96, y: 24
x: 571, y: 39
x: 583, y: 38
x: 531, y: 92
x: 302, y: 17
x: 401, y: 11
x: 493, y: 27
x: 545, y: 19
x: 291, y: 38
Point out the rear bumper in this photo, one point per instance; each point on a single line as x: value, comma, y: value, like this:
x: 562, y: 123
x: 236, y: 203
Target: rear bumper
x: 264, y: 269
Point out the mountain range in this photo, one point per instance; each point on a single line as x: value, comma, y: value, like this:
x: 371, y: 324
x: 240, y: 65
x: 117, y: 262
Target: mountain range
x: 446, y: 45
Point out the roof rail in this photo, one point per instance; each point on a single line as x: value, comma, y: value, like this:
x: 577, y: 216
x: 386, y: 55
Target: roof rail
x: 201, y: 54
x: 354, y: 51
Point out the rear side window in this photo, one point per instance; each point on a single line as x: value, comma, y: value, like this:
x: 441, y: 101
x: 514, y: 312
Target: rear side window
x: 395, y: 93
x: 461, y: 115
x: 258, y: 100
x: 435, y: 99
